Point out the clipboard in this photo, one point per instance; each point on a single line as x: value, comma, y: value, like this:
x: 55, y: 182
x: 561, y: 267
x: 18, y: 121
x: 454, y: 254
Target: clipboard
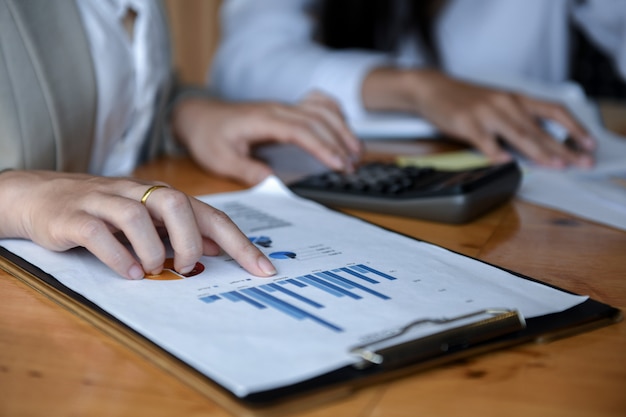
x: 366, y: 354
x: 476, y: 333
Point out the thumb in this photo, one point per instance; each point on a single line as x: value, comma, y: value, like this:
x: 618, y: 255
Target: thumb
x: 248, y: 170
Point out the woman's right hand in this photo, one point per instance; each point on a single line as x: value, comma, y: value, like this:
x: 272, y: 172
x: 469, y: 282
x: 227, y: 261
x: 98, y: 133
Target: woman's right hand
x: 60, y: 211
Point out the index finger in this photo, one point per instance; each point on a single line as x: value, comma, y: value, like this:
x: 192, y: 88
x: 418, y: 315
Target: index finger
x: 217, y: 226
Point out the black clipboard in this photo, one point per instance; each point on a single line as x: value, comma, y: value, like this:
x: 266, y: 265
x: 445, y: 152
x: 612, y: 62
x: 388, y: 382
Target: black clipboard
x: 493, y: 329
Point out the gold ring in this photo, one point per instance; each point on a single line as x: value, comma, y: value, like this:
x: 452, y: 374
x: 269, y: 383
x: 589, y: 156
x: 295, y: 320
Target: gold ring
x: 149, y: 191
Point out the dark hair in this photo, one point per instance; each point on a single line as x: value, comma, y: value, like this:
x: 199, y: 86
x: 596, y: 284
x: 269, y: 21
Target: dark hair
x: 377, y: 24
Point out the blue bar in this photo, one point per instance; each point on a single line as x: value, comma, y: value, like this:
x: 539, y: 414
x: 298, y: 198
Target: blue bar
x: 336, y: 278
x: 210, y: 298
x: 322, y: 287
x: 367, y: 268
x: 294, y: 282
x: 287, y: 308
x: 328, y: 287
x: 236, y: 296
x: 273, y: 302
x: 231, y: 296
x: 268, y: 287
x: 358, y: 268
x: 275, y: 287
x: 330, y: 276
x: 361, y: 276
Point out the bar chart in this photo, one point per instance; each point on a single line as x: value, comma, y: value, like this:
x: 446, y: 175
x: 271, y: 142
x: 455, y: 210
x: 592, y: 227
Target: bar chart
x: 353, y: 282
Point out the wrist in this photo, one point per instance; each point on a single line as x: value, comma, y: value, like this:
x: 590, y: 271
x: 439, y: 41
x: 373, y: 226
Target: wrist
x: 399, y: 89
x: 183, y: 118
x: 11, y: 205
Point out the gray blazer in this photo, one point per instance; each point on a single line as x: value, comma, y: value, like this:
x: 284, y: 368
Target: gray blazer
x: 48, y: 89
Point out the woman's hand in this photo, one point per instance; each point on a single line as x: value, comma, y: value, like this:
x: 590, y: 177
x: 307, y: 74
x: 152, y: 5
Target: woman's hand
x: 60, y: 211
x: 221, y: 136
x: 481, y: 116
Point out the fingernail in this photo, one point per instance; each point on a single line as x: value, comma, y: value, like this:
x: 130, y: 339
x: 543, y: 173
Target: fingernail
x: 585, y: 161
x: 337, y: 162
x: 503, y: 157
x: 589, y: 142
x: 135, y: 272
x: 266, y: 266
x: 186, y: 269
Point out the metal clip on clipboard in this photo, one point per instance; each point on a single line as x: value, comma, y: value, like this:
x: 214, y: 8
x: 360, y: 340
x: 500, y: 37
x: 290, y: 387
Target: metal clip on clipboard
x: 498, y: 322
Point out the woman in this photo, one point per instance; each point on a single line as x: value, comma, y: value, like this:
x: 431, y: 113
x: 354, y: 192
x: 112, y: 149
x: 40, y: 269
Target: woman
x: 87, y: 93
x: 417, y: 57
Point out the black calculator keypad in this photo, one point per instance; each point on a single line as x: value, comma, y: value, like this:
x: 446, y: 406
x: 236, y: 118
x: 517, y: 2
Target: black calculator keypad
x: 421, y: 192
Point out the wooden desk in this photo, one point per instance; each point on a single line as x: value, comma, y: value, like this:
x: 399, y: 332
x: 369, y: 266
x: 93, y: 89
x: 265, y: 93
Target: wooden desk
x: 53, y: 363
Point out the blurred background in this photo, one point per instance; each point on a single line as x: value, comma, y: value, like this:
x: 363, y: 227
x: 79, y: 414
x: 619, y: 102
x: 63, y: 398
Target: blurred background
x: 195, y: 28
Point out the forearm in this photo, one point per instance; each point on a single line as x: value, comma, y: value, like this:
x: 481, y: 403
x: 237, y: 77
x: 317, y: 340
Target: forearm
x: 267, y: 53
x: 257, y: 44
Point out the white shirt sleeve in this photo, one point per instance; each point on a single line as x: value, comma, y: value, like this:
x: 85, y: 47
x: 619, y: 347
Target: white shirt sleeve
x: 267, y: 52
x: 604, y: 21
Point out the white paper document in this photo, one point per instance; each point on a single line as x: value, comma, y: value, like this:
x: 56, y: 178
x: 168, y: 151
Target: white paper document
x: 340, y: 282
x: 597, y: 194
x: 376, y: 126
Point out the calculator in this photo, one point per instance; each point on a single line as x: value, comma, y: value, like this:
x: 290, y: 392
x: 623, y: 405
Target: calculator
x: 447, y: 196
